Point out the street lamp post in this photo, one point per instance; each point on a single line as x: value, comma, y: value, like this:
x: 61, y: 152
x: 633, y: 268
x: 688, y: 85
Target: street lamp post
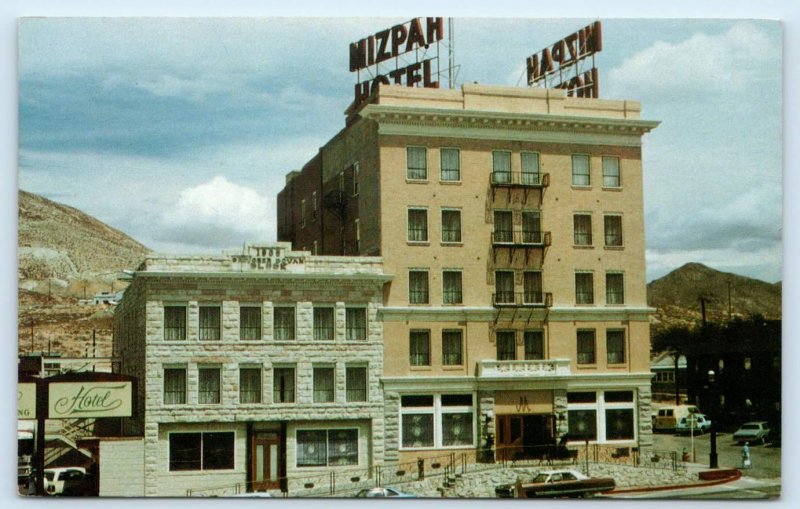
x: 712, y: 457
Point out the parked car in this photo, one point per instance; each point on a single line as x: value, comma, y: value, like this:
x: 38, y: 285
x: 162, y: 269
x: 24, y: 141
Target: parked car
x: 668, y: 418
x: 755, y: 432
x: 557, y: 483
x: 66, y: 481
x: 383, y: 492
x: 699, y: 422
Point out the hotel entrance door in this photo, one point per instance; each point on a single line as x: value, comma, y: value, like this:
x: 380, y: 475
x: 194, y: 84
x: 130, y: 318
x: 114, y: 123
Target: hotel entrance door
x: 524, y: 436
x: 266, y: 471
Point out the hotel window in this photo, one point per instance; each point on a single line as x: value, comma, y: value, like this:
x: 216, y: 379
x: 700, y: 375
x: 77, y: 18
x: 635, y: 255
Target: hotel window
x: 356, y: 324
x: 417, y: 163
x: 615, y: 288
x: 531, y: 175
x: 441, y: 420
x: 420, y: 348
x: 356, y: 383
x: 174, y: 323
x: 501, y: 167
x: 532, y: 285
x: 209, y: 323
x: 451, y: 287
x: 356, y: 176
x: 417, y: 225
x: 303, y: 213
x: 450, y: 164
x: 357, y: 233
x: 611, y: 172
x: 503, y: 226
x: 250, y: 385
x: 283, y: 385
x: 534, y: 345
x: 249, y: 323
x: 586, y: 347
x: 332, y: 447
x: 580, y: 170
x: 208, y: 391
x: 283, y: 323
x: 615, y: 346
x: 418, y: 287
x: 506, y: 346
x: 584, y: 288
x: 452, y: 346
x: 340, y: 177
x: 314, y: 206
x: 323, y: 324
x: 201, y: 451
x: 175, y: 386
x: 582, y: 229
x: 613, y: 230
x: 531, y: 227
x: 504, y: 287
x: 323, y: 385
x: 451, y: 225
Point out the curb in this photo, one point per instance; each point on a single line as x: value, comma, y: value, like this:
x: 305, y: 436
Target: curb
x: 736, y: 476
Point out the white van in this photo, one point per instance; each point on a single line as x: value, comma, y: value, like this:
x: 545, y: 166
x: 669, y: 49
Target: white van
x: 668, y: 417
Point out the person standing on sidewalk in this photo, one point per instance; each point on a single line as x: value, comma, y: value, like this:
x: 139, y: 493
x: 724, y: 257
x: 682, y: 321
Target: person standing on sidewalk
x: 746, y: 462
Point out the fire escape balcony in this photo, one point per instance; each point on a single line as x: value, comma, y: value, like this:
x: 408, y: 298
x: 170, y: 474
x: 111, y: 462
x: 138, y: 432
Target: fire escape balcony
x: 532, y: 299
x: 513, y: 240
x: 336, y: 202
x: 510, y: 180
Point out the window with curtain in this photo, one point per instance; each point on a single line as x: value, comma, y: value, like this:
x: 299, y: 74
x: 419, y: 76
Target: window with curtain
x: 420, y: 348
x: 356, y: 383
x: 418, y: 287
x: 532, y: 285
x: 584, y: 288
x: 457, y: 419
x: 619, y: 424
x: 250, y: 385
x: 312, y: 448
x: 582, y: 229
x: 452, y: 346
x: 534, y: 345
x: 611, y: 172
x: 283, y: 323
x: 530, y: 168
x: 451, y: 164
x: 586, y: 347
x: 580, y: 170
x: 175, y: 386
x: 503, y: 226
x: 249, y: 323
x: 615, y: 346
x: 283, y: 385
x: 615, y: 288
x: 613, y: 230
x: 417, y: 225
x: 531, y: 227
x: 451, y: 225
x: 342, y: 447
x: 323, y: 324
x: 174, y: 323
x: 451, y: 287
x: 501, y: 167
x: 323, y: 385
x: 417, y: 163
x: 506, y: 346
x: 208, y: 391
x: 210, y: 323
x: 356, y: 324
x: 504, y: 287
x: 582, y: 424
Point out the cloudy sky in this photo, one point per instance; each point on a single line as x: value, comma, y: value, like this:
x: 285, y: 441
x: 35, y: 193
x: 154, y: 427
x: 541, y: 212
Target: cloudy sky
x: 179, y: 132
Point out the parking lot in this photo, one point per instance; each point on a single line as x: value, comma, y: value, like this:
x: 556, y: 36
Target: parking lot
x: 765, y: 458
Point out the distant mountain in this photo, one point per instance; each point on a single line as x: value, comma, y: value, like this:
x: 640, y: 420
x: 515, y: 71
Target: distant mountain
x: 677, y: 296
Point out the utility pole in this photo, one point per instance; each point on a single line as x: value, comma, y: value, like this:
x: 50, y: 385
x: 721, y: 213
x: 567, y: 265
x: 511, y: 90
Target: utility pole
x: 703, y: 309
x: 730, y: 311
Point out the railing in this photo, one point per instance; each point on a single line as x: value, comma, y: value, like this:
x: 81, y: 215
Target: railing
x: 525, y: 299
x: 334, y: 199
x: 519, y: 179
x: 520, y: 238
x: 548, y: 367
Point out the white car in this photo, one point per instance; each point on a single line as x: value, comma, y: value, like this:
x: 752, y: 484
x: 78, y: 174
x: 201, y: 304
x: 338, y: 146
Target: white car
x: 698, y: 423
x: 63, y: 480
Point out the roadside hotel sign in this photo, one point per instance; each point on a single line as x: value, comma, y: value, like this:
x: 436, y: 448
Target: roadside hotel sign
x: 71, y: 400
x: 26, y: 401
x: 563, y: 65
x: 388, y: 46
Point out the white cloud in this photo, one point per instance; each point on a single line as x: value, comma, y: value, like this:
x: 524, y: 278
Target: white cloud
x: 708, y: 62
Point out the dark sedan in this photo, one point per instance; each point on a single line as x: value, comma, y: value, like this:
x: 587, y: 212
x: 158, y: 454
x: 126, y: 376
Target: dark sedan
x: 557, y: 483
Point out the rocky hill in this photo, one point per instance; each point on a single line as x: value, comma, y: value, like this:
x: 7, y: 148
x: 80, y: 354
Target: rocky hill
x: 677, y: 296
x: 64, y: 256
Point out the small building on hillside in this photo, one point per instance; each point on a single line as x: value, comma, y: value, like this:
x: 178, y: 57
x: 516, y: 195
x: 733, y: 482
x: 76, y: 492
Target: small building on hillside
x: 669, y: 380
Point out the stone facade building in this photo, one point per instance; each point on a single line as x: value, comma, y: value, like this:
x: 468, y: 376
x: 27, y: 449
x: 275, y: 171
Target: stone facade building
x: 254, y: 367
x: 512, y: 220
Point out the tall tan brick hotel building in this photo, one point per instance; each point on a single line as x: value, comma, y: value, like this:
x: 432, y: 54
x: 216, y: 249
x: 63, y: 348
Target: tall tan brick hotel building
x: 511, y: 222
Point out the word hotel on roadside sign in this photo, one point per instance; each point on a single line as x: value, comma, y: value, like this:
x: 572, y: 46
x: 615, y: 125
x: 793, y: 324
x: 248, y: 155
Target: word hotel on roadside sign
x: 390, y: 43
